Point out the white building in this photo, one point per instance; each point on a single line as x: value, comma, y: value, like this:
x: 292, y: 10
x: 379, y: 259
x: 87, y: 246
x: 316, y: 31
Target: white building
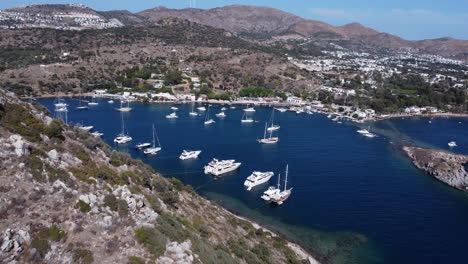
x: 294, y: 100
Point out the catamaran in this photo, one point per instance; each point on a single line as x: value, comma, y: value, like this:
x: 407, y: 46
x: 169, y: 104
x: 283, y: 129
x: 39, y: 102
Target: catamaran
x: 273, y: 127
x: 246, y: 119
x: 122, y: 138
x: 172, y: 116
x: 271, y: 191
x: 153, y: 150
x: 269, y: 140
x: 189, y: 154
x: 218, y: 168
x: 124, y: 109
x: 93, y: 102
x: 279, y: 198
x: 208, y: 120
x: 257, y: 178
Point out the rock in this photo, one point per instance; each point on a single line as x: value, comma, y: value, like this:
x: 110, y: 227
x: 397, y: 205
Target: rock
x: 21, y: 147
x: 7, y: 245
x: 90, y: 199
x: 106, y: 221
x: 53, y: 155
x: 25, y: 236
x: 177, y: 253
x: 58, y: 184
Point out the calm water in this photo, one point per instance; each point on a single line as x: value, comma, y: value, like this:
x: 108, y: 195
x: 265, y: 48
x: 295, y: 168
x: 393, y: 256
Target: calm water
x: 344, y: 184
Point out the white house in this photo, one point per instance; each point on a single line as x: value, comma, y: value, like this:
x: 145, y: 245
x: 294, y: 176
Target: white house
x: 294, y: 100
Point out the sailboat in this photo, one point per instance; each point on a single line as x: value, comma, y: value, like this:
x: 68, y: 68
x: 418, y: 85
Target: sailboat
x: 221, y: 114
x: 153, y: 150
x: 273, y: 127
x: 124, y: 109
x: 246, y: 119
x: 193, y: 113
x: 80, y: 106
x: 272, y: 190
x: 122, y: 138
x: 279, y: 198
x: 93, y: 102
x: 249, y: 109
x: 269, y: 140
x: 208, y: 120
x: 60, y: 103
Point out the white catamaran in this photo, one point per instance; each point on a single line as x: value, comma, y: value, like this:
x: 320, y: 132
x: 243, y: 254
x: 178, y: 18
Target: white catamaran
x: 282, y: 196
x: 153, y: 150
x: 270, y: 139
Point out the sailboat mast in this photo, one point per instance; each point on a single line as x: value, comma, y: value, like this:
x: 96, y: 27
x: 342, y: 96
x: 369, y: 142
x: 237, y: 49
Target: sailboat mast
x: 154, y: 143
x: 123, y: 125
x: 286, y: 179
x: 264, y: 133
x: 279, y: 178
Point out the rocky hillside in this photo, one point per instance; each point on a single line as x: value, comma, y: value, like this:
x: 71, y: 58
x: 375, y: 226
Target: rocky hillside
x: 67, y: 197
x: 264, y: 21
x: 445, y: 166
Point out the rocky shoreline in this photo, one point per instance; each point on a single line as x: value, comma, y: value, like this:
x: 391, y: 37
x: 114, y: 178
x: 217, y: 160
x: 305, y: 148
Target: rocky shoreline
x: 446, y: 167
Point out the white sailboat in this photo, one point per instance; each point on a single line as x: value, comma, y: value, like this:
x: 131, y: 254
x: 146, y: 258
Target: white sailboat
x: 221, y: 114
x: 246, y: 119
x: 60, y: 103
x: 249, y: 109
x: 272, y: 126
x: 279, y: 198
x: 153, y: 150
x: 80, y: 106
x: 124, y: 109
x: 93, y: 102
x: 122, y: 138
x: 208, y: 120
x: 201, y: 108
x: 193, y: 113
x: 270, y: 139
x: 174, y: 108
x: 172, y: 116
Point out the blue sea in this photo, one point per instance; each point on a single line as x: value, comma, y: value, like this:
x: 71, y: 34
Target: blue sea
x: 354, y: 200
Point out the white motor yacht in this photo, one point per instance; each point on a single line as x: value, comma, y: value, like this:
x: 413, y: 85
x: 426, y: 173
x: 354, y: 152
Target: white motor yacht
x: 174, y: 108
x: 189, y: 154
x: 86, y: 128
x: 271, y: 191
x: 172, y: 116
x: 452, y: 144
x: 217, y: 168
x: 97, y: 134
x: 142, y: 145
x: 257, y: 178
x: 122, y: 139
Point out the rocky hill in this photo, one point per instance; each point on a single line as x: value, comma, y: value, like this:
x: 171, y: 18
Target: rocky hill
x: 265, y: 21
x: 447, y: 167
x: 67, y: 197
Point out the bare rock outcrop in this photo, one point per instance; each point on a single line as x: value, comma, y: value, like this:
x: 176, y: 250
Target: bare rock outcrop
x: 447, y: 167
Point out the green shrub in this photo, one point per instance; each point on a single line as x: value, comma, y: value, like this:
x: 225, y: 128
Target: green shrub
x: 171, y: 228
x: 18, y: 119
x: 54, y: 129
x: 111, y: 201
x: 118, y: 159
x: 82, y: 256
x: 154, y: 240
x: 154, y: 203
x: 84, y: 207
x: 177, y: 184
x: 36, y: 167
x: 205, y: 251
x: 122, y: 208
x: 135, y: 260
x: 41, y: 245
x: 53, y: 233
x: 262, y: 252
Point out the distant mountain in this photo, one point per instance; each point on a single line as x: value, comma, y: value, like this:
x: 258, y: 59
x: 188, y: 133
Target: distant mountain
x: 253, y: 20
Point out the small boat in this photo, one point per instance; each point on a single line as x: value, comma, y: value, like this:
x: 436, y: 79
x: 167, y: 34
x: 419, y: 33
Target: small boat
x: 273, y: 127
x: 232, y: 107
x: 86, y: 128
x: 221, y: 114
x: 122, y: 138
x: 142, y: 145
x: 257, y: 178
x: 280, y: 197
x: 124, y: 109
x: 110, y: 101
x: 249, y: 109
x: 246, y: 119
x: 300, y: 111
x: 174, y: 108
x: 172, y: 116
x: 97, y: 134
x: 217, y: 168
x: 271, y: 191
x: 282, y: 110
x: 201, y: 108
x: 83, y: 107
x: 363, y: 131
x: 223, y: 109
x: 93, y: 102
x: 452, y: 144
x: 61, y: 109
x: 208, y: 120
x: 269, y: 140
x: 370, y: 135
x: 153, y: 150
x: 189, y: 154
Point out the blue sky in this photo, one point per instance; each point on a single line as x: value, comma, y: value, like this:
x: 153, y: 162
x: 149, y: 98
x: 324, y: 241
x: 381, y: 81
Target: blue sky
x: 410, y: 19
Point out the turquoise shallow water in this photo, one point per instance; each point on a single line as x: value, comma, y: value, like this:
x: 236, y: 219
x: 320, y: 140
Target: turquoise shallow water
x: 347, y: 188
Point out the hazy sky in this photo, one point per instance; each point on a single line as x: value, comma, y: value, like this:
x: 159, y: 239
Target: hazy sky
x: 410, y: 19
